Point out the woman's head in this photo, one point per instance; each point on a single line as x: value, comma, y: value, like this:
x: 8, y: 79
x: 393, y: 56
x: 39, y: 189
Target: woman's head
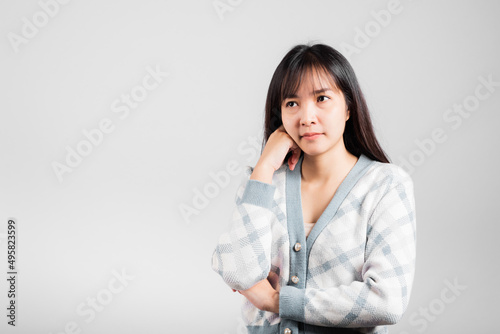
x: 314, y: 89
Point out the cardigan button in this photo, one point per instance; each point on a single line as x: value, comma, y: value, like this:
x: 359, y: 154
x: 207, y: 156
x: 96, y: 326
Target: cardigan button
x: 297, y: 247
x: 287, y: 331
x: 295, y: 279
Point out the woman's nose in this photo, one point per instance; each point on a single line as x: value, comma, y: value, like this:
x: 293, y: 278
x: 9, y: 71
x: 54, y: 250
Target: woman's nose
x: 308, y: 115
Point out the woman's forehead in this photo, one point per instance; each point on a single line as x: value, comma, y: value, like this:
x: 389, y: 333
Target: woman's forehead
x: 312, y: 81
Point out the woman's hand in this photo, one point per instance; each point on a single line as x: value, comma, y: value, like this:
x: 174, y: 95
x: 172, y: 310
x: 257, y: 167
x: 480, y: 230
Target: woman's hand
x: 277, y: 147
x: 265, y: 294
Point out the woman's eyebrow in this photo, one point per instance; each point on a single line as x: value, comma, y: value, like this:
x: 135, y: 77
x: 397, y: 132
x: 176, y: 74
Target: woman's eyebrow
x: 321, y: 90
x: 317, y: 91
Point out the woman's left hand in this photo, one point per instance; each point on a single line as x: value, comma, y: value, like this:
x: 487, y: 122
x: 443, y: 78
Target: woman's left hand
x: 263, y: 296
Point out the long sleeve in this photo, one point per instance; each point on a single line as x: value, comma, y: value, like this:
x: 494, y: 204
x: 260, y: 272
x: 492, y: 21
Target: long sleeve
x: 242, y: 256
x: 382, y: 296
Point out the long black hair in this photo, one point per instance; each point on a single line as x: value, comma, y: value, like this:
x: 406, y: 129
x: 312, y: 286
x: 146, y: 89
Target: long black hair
x: 359, y: 136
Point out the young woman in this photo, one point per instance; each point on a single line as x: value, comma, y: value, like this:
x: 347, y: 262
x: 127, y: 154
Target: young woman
x: 323, y: 237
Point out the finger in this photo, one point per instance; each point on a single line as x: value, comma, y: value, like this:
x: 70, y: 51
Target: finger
x: 296, y: 154
x: 282, y: 128
x: 294, y: 158
x: 291, y: 162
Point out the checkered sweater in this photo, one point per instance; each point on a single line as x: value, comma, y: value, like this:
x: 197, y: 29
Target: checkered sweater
x: 354, y: 271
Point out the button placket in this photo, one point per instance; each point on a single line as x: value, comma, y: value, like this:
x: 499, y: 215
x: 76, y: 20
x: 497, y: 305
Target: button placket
x: 297, y: 249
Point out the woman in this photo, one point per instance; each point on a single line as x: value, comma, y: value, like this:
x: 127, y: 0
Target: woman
x: 323, y: 234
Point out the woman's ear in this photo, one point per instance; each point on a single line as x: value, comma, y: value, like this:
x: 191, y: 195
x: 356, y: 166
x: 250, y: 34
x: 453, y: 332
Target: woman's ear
x: 348, y: 115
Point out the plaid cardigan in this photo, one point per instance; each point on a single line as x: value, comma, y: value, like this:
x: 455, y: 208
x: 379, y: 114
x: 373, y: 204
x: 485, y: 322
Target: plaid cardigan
x: 353, y: 273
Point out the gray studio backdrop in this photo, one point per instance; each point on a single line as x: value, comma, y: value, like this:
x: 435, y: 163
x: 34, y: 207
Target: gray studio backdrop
x: 125, y: 124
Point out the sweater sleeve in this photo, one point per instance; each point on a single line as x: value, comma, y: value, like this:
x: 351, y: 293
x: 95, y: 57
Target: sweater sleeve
x: 242, y: 256
x: 382, y: 296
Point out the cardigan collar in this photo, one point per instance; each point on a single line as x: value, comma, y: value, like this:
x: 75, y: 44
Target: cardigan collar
x: 295, y: 221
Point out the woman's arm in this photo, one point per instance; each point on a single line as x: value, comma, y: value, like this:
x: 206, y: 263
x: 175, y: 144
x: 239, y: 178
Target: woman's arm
x: 388, y: 272
x: 263, y: 295
x: 243, y: 254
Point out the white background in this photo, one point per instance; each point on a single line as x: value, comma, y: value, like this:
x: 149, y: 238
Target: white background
x: 119, y: 209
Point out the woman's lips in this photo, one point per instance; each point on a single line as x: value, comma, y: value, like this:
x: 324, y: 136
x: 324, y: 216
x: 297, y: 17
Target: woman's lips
x: 311, y: 137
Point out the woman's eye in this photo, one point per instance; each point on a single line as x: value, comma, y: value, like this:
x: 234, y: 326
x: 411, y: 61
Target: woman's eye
x: 290, y: 104
x: 323, y: 98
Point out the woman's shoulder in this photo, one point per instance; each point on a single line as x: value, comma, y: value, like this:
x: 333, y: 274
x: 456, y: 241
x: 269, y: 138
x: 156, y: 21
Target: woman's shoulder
x: 387, y: 172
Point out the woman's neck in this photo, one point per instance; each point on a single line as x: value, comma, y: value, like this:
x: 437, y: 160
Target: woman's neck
x: 330, y: 167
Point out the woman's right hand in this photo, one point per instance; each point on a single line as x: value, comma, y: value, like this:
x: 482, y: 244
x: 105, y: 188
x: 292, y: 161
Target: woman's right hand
x: 277, y: 147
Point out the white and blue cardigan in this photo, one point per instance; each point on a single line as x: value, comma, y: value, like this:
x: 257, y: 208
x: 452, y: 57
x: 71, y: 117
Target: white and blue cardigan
x: 353, y: 273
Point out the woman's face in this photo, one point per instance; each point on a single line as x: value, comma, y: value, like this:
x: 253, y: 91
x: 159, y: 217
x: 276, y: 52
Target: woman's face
x: 320, y: 108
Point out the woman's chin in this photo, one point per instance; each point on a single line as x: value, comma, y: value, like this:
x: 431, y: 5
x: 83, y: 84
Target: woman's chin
x: 313, y: 152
